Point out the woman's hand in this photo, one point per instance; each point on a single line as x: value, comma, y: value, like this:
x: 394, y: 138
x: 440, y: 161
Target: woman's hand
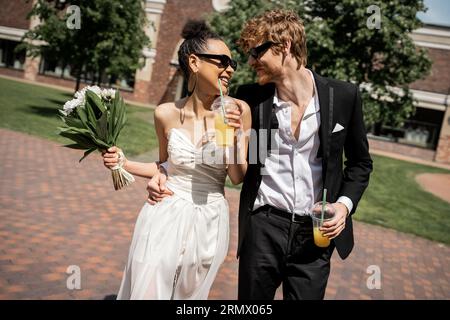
x: 113, y: 157
x: 234, y: 116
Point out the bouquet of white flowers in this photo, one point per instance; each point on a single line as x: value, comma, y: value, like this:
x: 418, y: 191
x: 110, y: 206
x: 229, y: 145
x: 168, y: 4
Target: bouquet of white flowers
x: 93, y: 120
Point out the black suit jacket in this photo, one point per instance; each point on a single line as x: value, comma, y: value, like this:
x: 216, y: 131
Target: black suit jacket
x: 340, y: 102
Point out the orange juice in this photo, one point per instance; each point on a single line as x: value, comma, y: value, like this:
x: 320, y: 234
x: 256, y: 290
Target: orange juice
x: 320, y: 213
x: 319, y: 239
x: 224, y: 133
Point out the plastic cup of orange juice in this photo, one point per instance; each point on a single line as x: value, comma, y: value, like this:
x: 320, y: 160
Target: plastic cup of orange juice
x: 316, y: 214
x: 224, y: 132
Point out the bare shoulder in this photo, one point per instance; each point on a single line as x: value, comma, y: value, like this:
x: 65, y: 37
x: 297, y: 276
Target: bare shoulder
x: 169, y: 111
x: 167, y: 115
x: 165, y: 111
x: 164, y: 115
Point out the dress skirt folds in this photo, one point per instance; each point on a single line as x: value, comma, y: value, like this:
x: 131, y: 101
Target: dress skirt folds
x: 179, y: 244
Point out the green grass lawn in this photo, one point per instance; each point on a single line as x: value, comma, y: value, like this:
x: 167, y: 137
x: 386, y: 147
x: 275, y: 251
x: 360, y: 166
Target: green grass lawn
x: 393, y: 199
x: 34, y: 110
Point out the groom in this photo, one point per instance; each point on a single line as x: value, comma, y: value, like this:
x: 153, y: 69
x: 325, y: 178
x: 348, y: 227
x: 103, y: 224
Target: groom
x: 312, y: 120
x: 308, y: 122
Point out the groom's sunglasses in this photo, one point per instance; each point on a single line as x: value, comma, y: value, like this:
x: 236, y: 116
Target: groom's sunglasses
x: 225, y: 60
x: 258, y: 51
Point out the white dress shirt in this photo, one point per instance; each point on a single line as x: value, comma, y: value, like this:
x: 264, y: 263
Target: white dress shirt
x: 293, y: 174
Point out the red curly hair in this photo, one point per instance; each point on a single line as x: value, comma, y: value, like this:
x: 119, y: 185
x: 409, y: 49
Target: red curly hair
x: 278, y: 26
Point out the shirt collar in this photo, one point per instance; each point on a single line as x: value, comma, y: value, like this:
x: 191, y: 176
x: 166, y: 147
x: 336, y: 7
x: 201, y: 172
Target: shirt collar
x: 277, y: 102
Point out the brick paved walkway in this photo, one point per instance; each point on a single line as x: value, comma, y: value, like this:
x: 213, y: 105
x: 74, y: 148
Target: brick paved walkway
x: 56, y: 213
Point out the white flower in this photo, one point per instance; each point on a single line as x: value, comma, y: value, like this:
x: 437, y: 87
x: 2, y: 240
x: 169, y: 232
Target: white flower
x: 70, y: 105
x: 82, y: 93
x: 94, y: 89
x: 108, y: 94
x: 80, y: 98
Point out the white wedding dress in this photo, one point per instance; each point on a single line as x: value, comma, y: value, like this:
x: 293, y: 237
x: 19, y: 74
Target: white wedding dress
x: 179, y: 244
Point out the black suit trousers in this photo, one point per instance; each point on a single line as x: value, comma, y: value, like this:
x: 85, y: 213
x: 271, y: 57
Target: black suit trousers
x: 277, y: 251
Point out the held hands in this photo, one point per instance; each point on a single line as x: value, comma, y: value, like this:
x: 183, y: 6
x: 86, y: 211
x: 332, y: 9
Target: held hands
x: 113, y: 157
x: 156, y: 188
x: 334, y: 227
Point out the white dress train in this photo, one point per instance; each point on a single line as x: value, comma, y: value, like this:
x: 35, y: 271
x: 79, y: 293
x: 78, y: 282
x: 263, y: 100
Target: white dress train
x: 179, y: 244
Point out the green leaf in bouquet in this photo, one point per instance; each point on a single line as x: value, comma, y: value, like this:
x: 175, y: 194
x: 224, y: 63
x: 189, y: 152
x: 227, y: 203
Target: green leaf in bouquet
x: 117, y: 96
x: 81, y: 112
x: 74, y: 122
x: 122, y: 114
x: 110, y: 130
x: 100, y: 143
x: 96, y: 134
x: 121, y: 106
x: 120, y: 119
x: 96, y: 103
x: 124, y: 122
x: 87, y: 153
x: 112, y: 119
x: 82, y: 131
x: 117, y: 115
x: 87, y: 134
x: 115, y: 118
x: 80, y: 139
x: 102, y: 128
x: 76, y: 146
x: 92, y: 119
x: 100, y: 125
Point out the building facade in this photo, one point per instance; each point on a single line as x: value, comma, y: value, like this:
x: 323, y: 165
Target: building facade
x: 425, y: 135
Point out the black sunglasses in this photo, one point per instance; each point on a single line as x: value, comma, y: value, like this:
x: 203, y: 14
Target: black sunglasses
x: 256, y: 52
x: 225, y: 60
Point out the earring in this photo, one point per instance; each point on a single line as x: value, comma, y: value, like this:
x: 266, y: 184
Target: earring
x: 191, y: 91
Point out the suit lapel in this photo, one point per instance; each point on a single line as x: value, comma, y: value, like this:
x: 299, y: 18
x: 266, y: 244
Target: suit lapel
x: 264, y: 114
x: 267, y: 111
x: 326, y: 101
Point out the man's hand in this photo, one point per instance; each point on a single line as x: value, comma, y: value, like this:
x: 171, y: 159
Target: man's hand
x: 334, y: 227
x: 156, y: 188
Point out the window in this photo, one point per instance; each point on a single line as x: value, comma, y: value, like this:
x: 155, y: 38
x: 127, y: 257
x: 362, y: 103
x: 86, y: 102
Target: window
x: 9, y: 58
x: 420, y: 130
x: 55, y: 68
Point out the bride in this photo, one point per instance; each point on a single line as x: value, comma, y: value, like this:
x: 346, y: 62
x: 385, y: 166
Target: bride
x: 179, y: 243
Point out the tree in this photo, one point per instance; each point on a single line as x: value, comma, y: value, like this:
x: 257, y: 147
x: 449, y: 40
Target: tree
x: 346, y: 42
x: 109, y: 40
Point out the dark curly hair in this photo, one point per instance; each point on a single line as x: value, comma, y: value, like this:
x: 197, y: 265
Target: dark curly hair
x: 195, y: 33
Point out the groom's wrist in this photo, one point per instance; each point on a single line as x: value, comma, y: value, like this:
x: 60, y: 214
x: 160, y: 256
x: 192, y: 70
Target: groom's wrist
x: 162, y: 167
x: 347, y: 202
